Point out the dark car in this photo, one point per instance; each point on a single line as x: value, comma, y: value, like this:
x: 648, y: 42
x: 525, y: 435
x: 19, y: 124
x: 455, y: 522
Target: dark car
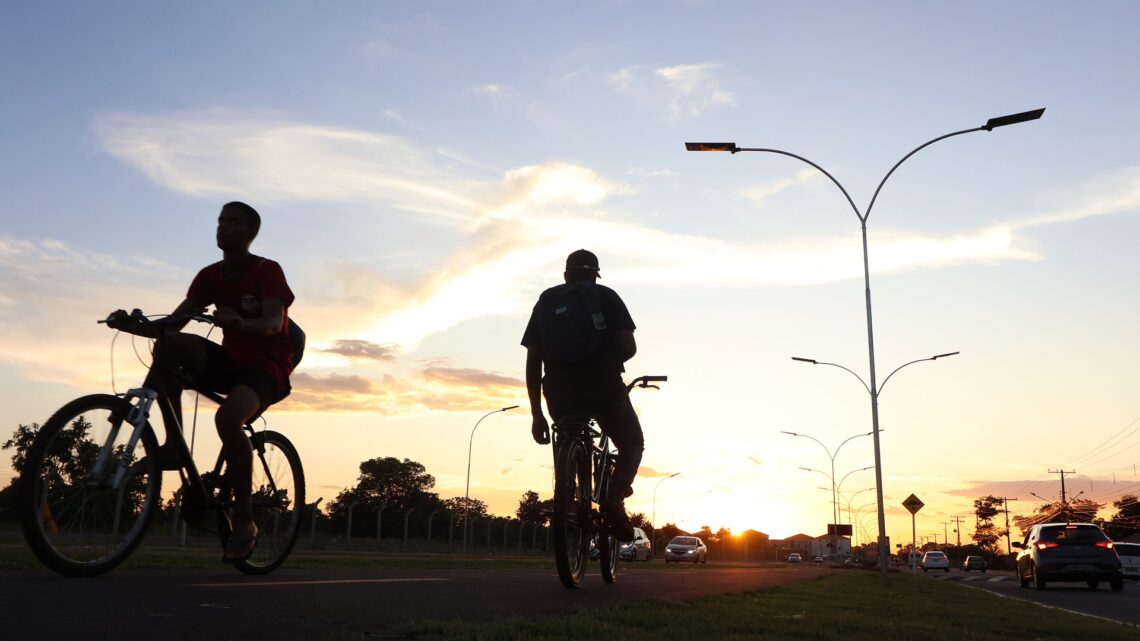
x: 974, y: 562
x: 1068, y: 552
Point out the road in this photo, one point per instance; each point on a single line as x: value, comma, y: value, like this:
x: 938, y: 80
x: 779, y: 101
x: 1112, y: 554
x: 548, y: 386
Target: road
x: 1076, y: 597
x: 328, y: 604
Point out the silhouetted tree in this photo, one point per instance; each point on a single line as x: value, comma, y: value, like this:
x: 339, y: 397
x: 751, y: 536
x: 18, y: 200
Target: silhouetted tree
x: 533, y: 511
x: 396, y: 485
x: 476, y: 509
x: 1126, y: 521
x: 638, y: 519
x: 987, y: 535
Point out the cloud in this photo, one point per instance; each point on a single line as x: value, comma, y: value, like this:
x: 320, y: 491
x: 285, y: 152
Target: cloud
x: 687, y: 90
x: 651, y: 173
x: 515, y: 227
x: 762, y: 192
x: 363, y: 349
x: 470, y: 377
x: 224, y: 153
x: 434, y: 389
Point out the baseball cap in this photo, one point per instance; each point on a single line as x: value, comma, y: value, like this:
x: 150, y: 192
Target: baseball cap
x: 582, y: 259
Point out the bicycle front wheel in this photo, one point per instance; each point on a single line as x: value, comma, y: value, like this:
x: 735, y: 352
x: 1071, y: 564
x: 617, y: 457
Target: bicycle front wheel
x: 77, y: 521
x: 278, y: 502
x: 571, y: 517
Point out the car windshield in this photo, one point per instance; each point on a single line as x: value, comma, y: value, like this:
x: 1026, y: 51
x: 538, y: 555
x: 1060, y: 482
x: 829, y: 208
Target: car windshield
x: 683, y: 540
x: 974, y: 558
x: 1128, y: 549
x: 1072, y: 534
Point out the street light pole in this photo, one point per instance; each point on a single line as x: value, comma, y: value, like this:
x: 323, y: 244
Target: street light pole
x: 467, y: 489
x: 834, y: 500
x: 873, y: 388
x: 654, y: 522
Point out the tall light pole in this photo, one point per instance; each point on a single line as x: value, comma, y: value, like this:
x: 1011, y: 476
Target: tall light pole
x: 851, y: 498
x: 830, y: 455
x: 873, y: 388
x: 467, y: 489
x: 654, y: 522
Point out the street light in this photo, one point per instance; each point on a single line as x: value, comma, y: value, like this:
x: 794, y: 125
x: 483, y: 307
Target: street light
x: 873, y: 389
x: 655, y: 486
x: 834, y: 502
x: 467, y: 489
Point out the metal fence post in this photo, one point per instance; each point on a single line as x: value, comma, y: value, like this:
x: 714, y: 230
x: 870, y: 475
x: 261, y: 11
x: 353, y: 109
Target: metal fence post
x: 313, y: 510
x: 522, y: 527
x: 348, y: 535
x: 534, y: 539
x: 451, y: 530
x: 380, y: 521
x: 430, y: 517
x: 490, y: 526
x: 406, y: 517
x: 506, y: 529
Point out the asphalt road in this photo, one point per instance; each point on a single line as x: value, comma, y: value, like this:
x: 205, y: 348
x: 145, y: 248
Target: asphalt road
x: 328, y: 604
x: 1075, y: 597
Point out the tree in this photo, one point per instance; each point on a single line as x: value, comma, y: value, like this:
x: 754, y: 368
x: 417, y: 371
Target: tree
x: 638, y: 520
x: 668, y: 531
x: 1078, y: 511
x: 532, y: 511
x: 987, y: 535
x: 473, y: 508
x: 1126, y: 521
x: 397, y: 486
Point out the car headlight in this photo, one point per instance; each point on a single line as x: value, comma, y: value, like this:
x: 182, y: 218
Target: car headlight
x: 691, y: 552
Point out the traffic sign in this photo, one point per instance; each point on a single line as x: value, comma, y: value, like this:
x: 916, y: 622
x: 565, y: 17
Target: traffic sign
x: 913, y: 504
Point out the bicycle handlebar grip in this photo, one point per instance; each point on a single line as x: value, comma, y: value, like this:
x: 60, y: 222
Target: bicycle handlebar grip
x: 655, y: 379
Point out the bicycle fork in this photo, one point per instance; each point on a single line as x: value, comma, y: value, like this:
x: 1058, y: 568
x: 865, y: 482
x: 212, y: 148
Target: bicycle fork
x: 137, y: 419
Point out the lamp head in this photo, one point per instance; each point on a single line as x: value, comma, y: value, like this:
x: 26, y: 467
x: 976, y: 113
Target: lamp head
x: 1013, y: 119
x: 712, y: 146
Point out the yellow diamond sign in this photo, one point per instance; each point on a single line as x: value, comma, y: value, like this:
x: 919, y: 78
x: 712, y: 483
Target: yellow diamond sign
x: 913, y: 504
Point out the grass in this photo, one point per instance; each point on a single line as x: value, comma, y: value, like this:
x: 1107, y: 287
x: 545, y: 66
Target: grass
x: 844, y: 606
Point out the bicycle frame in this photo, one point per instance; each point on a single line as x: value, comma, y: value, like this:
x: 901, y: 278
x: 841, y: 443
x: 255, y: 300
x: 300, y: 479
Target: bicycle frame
x: 142, y: 400
x: 596, y: 443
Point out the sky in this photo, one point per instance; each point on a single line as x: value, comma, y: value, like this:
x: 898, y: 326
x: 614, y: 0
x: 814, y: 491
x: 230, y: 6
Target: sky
x: 422, y: 170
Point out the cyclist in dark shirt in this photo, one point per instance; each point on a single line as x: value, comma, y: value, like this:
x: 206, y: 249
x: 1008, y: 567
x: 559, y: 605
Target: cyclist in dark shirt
x: 251, y: 366
x: 593, y: 387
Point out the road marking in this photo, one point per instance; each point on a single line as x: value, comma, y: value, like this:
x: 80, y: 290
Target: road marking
x: 1053, y: 607
x: 314, y: 582
x: 996, y: 579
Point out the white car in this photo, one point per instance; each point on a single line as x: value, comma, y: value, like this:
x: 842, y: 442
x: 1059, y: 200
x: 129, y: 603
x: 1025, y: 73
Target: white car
x: 935, y: 560
x: 795, y: 557
x: 1129, y: 554
x: 690, y: 549
x: 639, y: 549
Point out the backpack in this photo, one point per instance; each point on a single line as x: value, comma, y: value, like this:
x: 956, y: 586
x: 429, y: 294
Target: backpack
x: 571, y: 323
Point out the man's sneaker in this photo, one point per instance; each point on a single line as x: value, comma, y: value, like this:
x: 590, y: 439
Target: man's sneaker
x: 617, y: 522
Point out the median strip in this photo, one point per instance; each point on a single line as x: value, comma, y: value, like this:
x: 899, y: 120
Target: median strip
x: 313, y: 582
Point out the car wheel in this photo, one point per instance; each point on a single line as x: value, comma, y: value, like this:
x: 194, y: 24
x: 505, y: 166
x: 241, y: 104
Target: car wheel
x: 1093, y: 584
x: 1038, y: 580
x: 1117, y: 584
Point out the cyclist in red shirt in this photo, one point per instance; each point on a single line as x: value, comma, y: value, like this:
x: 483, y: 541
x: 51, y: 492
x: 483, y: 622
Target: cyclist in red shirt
x: 252, y: 365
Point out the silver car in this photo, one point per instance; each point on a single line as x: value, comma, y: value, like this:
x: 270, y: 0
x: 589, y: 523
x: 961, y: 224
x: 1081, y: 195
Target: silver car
x: 1129, y: 554
x: 690, y: 549
x: 639, y: 549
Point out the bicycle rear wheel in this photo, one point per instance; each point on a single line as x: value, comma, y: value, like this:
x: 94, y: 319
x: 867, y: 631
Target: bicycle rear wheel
x: 571, y: 517
x: 608, y: 546
x: 74, y: 519
x: 278, y: 502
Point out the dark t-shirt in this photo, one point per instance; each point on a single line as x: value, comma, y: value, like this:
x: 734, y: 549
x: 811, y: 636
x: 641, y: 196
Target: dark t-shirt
x: 607, y: 362
x: 262, y: 281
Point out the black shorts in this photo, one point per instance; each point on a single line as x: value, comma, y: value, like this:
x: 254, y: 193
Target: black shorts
x: 221, y: 375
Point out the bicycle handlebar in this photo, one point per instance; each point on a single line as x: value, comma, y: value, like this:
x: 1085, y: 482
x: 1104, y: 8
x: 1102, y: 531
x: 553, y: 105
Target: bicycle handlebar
x: 644, y: 381
x: 168, y: 321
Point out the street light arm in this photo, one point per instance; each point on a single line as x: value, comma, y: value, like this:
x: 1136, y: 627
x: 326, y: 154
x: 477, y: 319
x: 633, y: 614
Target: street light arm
x: 821, y: 169
x: 815, y: 362
x: 913, y: 152
x: 932, y: 358
x: 862, y: 469
x: 814, y: 439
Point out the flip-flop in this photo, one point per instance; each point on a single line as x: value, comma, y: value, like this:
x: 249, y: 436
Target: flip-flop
x: 230, y: 555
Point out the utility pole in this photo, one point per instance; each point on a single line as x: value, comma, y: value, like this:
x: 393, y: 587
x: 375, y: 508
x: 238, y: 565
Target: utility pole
x: 1005, y: 503
x: 1062, y: 472
x: 958, y: 528
x: 946, y: 532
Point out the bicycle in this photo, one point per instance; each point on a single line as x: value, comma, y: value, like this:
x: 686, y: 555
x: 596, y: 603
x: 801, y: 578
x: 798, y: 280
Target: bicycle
x: 583, y: 470
x: 84, y: 511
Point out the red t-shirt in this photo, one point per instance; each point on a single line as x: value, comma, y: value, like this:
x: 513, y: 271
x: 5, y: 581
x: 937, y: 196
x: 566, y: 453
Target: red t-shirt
x: 262, y: 281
